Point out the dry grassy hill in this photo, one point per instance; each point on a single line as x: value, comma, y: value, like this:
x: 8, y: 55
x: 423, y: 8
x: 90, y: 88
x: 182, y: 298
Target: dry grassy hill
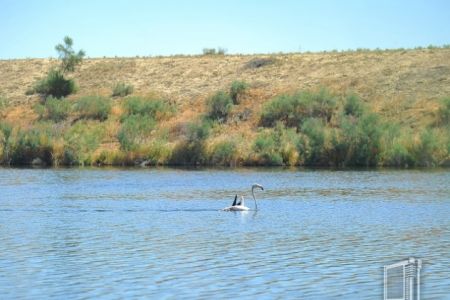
x: 382, y: 78
x: 401, y: 85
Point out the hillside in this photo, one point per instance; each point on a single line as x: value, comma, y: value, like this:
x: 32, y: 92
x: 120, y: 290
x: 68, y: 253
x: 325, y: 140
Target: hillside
x: 401, y: 86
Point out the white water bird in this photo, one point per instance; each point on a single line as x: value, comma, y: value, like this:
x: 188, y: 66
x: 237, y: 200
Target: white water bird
x: 240, y: 206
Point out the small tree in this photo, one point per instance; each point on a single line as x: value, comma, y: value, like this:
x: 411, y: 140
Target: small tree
x: 69, y: 58
x: 55, y: 84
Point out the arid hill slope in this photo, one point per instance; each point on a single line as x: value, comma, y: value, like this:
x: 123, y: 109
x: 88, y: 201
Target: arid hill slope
x: 382, y: 78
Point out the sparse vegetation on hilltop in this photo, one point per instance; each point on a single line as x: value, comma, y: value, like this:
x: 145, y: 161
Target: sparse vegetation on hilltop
x: 213, y: 51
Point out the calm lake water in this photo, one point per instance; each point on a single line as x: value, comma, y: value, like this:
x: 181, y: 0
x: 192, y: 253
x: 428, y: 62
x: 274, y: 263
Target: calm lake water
x: 158, y: 233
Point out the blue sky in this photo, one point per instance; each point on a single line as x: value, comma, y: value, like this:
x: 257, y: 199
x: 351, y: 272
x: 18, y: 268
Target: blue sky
x: 137, y: 27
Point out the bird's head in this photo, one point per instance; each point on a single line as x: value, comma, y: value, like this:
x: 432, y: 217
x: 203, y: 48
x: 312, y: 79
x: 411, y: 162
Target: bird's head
x: 257, y: 186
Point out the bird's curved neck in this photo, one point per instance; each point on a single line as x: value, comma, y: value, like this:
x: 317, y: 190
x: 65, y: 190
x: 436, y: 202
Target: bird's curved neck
x: 253, y: 194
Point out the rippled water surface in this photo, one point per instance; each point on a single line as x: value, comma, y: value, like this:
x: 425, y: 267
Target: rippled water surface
x: 132, y: 233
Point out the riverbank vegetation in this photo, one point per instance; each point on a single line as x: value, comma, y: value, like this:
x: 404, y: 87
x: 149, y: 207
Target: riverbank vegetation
x: 304, y: 128
x: 368, y: 109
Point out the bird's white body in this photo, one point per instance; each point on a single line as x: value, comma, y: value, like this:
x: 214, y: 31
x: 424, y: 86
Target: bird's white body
x: 236, y: 208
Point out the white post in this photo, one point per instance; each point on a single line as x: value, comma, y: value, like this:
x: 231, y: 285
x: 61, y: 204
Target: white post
x: 411, y: 264
x: 404, y: 283
x: 419, y: 266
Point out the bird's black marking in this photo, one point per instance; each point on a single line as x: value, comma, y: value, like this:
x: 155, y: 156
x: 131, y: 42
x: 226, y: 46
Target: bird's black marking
x: 234, y: 202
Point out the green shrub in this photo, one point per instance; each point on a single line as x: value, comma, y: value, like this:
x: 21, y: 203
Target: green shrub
x: 279, y: 146
x: 221, y: 51
x: 6, y: 129
x: 314, y: 130
x: 93, y: 107
x: 55, y: 85
x: 121, y: 90
x: 192, y: 150
x: 53, y: 109
x: 113, y: 158
x: 209, y: 51
x: 186, y: 153
x: 5, y: 143
x: 291, y: 145
x: 198, y: 131
x: 292, y: 110
x: 224, y: 153
x: 398, y: 156
x: 237, y: 89
x: 134, y: 131
x: 158, y: 152
x: 281, y: 109
x: 357, y: 142
x: 3, y: 104
x: 266, y: 148
x: 353, y: 106
x: 154, y: 108
x: 393, y: 146
x: 444, y: 112
x: 2, y: 150
x: 426, y: 152
x: 41, y: 111
x: 139, y: 119
x: 82, y: 140
x: 339, y: 148
x: 29, y: 145
x: 220, y: 105
x: 213, y: 51
x: 367, y: 149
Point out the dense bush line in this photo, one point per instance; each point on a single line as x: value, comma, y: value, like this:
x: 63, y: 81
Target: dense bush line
x: 300, y: 129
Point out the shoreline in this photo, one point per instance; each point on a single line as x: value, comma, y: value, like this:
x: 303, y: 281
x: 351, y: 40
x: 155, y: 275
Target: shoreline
x: 222, y: 168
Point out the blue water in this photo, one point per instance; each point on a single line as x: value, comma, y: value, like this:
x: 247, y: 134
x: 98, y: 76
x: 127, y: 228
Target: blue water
x: 159, y: 233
